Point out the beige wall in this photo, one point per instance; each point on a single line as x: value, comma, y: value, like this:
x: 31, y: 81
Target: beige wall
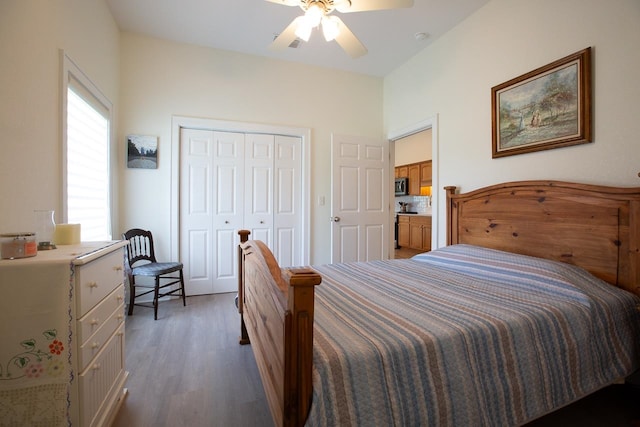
x: 31, y: 34
x: 160, y: 79
x: 413, y: 148
x: 149, y: 80
x: 452, y: 80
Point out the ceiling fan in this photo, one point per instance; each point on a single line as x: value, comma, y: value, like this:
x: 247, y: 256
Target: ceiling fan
x: 318, y: 12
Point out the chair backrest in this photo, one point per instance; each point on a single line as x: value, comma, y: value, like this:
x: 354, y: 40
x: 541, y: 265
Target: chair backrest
x: 140, y: 246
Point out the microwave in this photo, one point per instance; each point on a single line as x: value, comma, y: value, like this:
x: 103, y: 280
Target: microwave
x: 402, y: 186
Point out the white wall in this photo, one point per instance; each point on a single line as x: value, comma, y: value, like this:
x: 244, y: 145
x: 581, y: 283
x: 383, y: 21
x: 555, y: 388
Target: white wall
x: 160, y: 79
x: 413, y: 148
x: 453, y: 77
x: 31, y: 34
x: 450, y: 80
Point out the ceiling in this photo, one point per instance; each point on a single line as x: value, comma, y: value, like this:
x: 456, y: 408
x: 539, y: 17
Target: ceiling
x: 249, y: 26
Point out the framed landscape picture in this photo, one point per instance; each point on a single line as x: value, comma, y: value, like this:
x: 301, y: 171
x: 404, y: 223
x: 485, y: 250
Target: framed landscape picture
x: 142, y: 152
x: 549, y: 107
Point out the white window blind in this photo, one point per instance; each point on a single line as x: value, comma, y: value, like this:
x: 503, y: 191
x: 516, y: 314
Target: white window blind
x: 87, y: 164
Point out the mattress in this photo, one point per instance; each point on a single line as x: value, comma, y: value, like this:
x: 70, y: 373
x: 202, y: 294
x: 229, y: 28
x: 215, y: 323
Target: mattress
x: 464, y: 335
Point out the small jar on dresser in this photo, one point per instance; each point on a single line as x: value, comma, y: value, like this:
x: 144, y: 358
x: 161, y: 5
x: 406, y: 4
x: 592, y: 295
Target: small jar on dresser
x: 62, y: 331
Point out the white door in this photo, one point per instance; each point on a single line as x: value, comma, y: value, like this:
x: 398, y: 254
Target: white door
x: 258, y: 194
x: 359, y: 199
x: 196, y: 209
x: 228, y: 208
x: 273, y: 189
x: 211, y: 208
x: 231, y: 181
x: 287, y: 201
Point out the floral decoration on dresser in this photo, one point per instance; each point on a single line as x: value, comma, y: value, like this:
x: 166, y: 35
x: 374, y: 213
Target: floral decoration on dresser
x: 36, y: 361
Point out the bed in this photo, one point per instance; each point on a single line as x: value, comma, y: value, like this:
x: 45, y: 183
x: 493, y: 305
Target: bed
x: 533, y: 304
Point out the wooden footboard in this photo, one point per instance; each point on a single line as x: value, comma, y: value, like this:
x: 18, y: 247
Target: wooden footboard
x: 276, y: 311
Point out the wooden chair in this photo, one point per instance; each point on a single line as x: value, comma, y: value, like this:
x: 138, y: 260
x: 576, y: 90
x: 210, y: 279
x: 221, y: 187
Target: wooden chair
x: 140, y: 260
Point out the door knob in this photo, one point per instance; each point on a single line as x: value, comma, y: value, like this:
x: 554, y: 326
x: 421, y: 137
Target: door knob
x: 335, y: 218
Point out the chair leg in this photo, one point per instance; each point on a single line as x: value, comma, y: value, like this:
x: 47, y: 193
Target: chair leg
x: 184, y: 301
x: 132, y: 294
x: 156, y: 292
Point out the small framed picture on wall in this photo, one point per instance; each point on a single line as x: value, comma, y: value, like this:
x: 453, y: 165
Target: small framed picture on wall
x: 142, y: 152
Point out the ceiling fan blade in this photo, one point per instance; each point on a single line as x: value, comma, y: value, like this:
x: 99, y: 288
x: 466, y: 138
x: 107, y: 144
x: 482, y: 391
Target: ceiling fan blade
x: 286, y: 2
x: 287, y: 36
x: 348, y: 41
x: 346, y: 6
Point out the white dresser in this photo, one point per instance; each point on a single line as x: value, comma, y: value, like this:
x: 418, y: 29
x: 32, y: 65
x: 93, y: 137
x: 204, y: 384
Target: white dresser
x: 62, y: 331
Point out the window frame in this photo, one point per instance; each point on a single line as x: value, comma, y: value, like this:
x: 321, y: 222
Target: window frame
x: 71, y: 72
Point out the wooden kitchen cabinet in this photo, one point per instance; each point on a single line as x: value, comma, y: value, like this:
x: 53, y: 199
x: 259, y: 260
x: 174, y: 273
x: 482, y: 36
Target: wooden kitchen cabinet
x: 402, y: 172
x: 426, y: 171
x: 403, y: 231
x: 414, y: 179
x: 414, y: 232
x: 419, y: 174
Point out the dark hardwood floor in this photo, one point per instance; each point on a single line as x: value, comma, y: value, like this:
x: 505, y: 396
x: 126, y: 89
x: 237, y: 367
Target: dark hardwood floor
x: 187, y: 369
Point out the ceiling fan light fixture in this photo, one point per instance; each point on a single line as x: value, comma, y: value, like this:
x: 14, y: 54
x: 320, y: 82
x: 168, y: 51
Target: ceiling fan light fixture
x: 313, y: 15
x: 330, y: 28
x: 342, y: 5
x: 319, y: 11
x: 303, y: 31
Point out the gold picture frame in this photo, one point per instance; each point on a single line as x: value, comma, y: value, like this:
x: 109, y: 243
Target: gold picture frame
x: 546, y: 108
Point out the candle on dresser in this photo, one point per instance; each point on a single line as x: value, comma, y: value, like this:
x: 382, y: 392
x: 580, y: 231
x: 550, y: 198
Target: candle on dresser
x: 67, y: 234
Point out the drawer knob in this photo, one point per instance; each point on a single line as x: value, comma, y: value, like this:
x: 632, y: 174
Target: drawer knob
x: 95, y: 321
x: 119, y: 297
x: 95, y: 345
x: 96, y: 366
x: 117, y: 268
x: 93, y: 284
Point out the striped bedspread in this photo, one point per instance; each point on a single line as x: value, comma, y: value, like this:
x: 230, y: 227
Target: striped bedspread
x: 464, y: 336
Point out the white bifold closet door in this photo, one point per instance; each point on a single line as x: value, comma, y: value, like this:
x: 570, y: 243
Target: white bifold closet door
x: 231, y: 181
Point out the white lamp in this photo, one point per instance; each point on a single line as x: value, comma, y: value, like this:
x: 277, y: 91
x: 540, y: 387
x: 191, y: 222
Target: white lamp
x: 330, y: 28
x: 313, y: 16
x: 303, y: 31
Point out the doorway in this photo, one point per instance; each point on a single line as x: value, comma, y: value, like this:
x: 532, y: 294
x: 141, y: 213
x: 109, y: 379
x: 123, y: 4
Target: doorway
x: 437, y: 238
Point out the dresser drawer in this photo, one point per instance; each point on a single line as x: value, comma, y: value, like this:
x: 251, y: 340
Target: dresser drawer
x: 100, y: 339
x: 97, y: 279
x: 98, y: 381
x: 97, y: 316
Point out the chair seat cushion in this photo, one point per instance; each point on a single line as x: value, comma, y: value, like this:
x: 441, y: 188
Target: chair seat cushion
x: 156, y: 268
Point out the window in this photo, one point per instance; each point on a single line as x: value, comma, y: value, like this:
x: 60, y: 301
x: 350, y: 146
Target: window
x: 86, y: 168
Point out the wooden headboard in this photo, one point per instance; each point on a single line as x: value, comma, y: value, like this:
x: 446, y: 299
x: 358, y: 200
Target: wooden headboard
x: 594, y: 227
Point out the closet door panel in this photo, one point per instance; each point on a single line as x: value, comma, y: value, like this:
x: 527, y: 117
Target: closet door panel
x: 227, y: 218
x: 196, y: 209
x: 287, y: 189
x: 258, y: 195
